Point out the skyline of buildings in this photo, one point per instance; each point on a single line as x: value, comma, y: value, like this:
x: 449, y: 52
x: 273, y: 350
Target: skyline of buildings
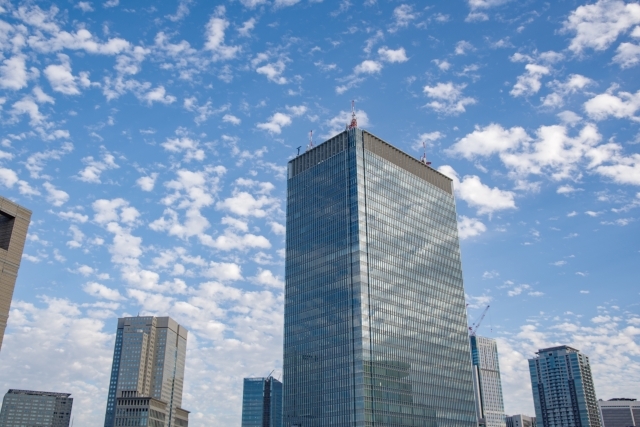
x: 371, y: 235
x: 563, y: 389
x: 487, y: 382
x: 521, y: 420
x: 261, y: 402
x: 28, y: 408
x: 147, y: 373
x: 14, y: 223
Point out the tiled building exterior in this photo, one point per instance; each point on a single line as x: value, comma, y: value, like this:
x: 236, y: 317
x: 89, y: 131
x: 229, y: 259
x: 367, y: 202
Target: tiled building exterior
x: 148, y: 369
x: 14, y: 222
x: 27, y: 408
x: 375, y: 322
x: 563, y: 391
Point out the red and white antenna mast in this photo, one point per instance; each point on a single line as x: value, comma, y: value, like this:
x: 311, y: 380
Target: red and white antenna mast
x: 424, y: 154
x: 310, y: 146
x: 354, y: 122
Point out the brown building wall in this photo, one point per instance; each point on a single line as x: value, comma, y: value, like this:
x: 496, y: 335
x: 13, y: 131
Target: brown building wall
x: 14, y: 222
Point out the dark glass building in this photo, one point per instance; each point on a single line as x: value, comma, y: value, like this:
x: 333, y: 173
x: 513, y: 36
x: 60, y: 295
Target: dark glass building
x: 35, y: 408
x: 375, y: 323
x: 262, y: 402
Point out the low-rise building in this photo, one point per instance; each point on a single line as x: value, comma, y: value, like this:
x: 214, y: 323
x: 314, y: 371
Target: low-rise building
x: 521, y: 421
x: 620, y: 412
x: 35, y: 408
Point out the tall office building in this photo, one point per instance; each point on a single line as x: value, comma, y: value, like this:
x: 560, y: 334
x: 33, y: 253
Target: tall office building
x: 147, y: 374
x: 521, y: 421
x: 262, y: 402
x: 26, y: 408
x: 620, y: 412
x: 486, y: 378
x: 375, y: 326
x: 562, y: 386
x: 14, y: 222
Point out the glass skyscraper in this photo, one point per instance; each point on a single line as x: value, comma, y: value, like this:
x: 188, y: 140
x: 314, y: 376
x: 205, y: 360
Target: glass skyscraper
x: 262, y: 402
x: 562, y: 386
x: 147, y: 374
x: 486, y: 378
x: 375, y: 323
x: 27, y: 408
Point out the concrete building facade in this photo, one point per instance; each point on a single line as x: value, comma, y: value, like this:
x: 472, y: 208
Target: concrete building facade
x: 14, y: 222
x: 619, y: 412
x: 487, y: 382
x: 147, y: 374
x: 375, y: 327
x: 563, y: 390
x: 521, y: 421
x: 27, y: 408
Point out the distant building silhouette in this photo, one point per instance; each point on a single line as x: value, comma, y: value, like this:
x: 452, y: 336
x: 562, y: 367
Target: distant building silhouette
x: 147, y: 373
x: 488, y: 386
x: 14, y: 222
x: 35, y: 408
x: 262, y: 402
x: 563, y: 391
x: 620, y: 412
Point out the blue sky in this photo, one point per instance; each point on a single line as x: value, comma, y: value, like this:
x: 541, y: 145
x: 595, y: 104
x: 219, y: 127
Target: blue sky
x: 151, y: 142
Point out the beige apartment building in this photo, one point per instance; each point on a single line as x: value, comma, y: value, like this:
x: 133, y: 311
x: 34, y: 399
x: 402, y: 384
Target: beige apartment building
x: 14, y: 222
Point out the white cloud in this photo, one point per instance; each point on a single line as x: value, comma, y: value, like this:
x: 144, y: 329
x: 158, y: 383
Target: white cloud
x: 485, y: 4
x: 517, y: 290
x: 189, y: 147
x: 599, y: 24
x: 54, y: 196
x: 158, y: 94
x: 273, y: 71
x: 114, y: 210
x: 247, y: 27
x: 624, y: 105
x: 73, y: 216
x: 575, y: 83
x: 469, y: 227
x: 279, y: 120
x: 390, y: 55
x: 529, y: 82
x: 368, y: 67
x: 337, y: 123
x: 627, y: 55
x: 8, y: 177
x: 223, y: 271
x: 448, y: 98
x: 463, y: 47
x: 231, y: 241
x: 77, y: 237
x: 230, y: 118
x: 267, y: 278
x: 567, y: 189
x: 146, y: 183
x: 61, y: 78
x: 444, y: 65
x: 41, y: 97
x: 13, y: 73
x: 101, y: 291
x: 27, y: 106
x: 402, y: 15
x: 215, y: 37
x: 84, y: 6
x: 245, y: 204
x: 181, y: 12
x: 489, y: 140
x: 478, y: 195
x: 93, y: 170
x: 285, y: 3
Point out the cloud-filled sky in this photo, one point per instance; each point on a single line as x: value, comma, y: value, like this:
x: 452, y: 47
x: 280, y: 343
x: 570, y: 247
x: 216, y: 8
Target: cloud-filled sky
x: 150, y: 140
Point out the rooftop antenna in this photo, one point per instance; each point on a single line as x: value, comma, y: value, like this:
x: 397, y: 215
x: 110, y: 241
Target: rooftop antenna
x: 424, y: 154
x: 354, y: 122
x: 310, y: 146
x: 299, y: 150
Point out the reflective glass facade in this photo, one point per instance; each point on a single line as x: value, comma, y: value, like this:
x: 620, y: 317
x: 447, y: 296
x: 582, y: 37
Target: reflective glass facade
x: 262, y: 402
x: 375, y: 322
x: 486, y: 377
x: 26, y: 408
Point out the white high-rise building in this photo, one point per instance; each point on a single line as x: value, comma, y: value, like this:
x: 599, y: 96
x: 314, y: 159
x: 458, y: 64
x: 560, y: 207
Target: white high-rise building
x: 488, y: 387
x: 147, y: 374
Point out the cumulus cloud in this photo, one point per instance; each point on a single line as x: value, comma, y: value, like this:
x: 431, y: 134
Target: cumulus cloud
x: 448, y: 98
x: 279, y: 120
x: 61, y: 78
x: 574, y: 83
x: 268, y: 279
x: 94, y: 169
x: 599, y: 24
x: 627, y: 55
x: 367, y: 67
x: 622, y: 105
x: 55, y: 196
x: 403, y: 15
x: 98, y: 290
x: 529, y: 82
x: 273, y: 72
x: 391, y: 55
x: 13, y: 73
x: 146, y: 183
x: 215, y: 30
x: 485, y: 199
x: 337, y: 123
x: 469, y: 227
x: 189, y: 147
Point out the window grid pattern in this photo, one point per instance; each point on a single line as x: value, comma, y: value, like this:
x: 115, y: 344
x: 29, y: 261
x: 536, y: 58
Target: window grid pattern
x: 490, y: 405
x: 375, y: 323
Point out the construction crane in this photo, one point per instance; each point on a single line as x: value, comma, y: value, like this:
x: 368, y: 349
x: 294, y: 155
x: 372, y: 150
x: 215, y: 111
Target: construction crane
x: 474, y: 328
